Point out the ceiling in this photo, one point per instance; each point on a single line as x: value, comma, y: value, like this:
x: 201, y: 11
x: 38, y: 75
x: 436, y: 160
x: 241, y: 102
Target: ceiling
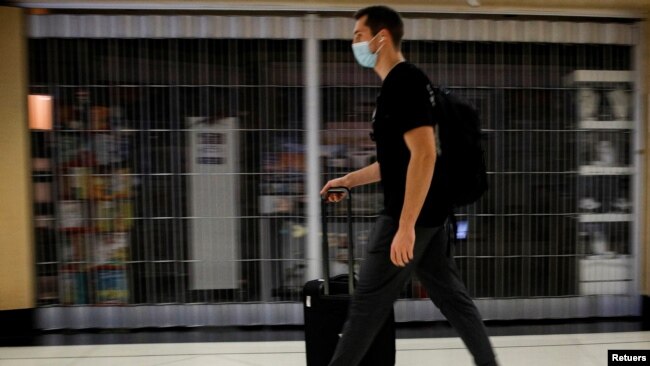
x: 625, y: 8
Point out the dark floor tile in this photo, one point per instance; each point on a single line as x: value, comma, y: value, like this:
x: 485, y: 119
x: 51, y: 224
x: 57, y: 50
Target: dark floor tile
x: 295, y: 333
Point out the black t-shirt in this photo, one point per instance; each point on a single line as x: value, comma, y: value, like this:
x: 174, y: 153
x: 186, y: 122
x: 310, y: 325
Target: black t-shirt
x: 405, y: 102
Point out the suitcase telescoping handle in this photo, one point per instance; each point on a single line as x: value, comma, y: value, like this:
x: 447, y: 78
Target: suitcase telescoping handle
x: 325, y: 242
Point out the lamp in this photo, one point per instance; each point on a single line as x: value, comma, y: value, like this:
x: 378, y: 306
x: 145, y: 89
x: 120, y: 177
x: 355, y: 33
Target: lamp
x: 40, y: 111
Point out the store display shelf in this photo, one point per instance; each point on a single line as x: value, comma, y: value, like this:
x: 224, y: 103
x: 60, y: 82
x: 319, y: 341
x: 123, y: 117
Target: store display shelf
x: 606, y: 288
x: 606, y: 125
x: 605, y: 217
x: 600, y: 76
x: 596, y: 268
x: 605, y: 170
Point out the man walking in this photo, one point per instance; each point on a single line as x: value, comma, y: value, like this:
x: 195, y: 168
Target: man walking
x: 410, y: 233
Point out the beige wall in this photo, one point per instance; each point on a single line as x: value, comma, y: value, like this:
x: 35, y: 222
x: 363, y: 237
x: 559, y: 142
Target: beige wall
x: 591, y: 6
x: 16, y: 254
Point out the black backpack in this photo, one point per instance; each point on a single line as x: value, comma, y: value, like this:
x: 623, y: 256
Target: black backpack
x: 461, y: 158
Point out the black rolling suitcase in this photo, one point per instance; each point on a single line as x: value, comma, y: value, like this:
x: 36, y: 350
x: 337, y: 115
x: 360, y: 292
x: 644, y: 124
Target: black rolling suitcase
x: 325, y: 304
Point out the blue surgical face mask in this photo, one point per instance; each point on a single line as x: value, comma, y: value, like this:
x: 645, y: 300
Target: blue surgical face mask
x: 363, y: 55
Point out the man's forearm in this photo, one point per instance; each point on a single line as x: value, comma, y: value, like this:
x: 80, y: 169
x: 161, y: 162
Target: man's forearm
x: 418, y: 182
x: 367, y: 175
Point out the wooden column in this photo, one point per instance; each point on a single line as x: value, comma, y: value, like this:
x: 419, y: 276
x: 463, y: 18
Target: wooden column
x: 16, y: 244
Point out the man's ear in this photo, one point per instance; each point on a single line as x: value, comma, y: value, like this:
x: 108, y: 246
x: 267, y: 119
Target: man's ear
x: 384, y: 36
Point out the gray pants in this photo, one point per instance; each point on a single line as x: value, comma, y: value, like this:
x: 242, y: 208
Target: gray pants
x: 380, y: 283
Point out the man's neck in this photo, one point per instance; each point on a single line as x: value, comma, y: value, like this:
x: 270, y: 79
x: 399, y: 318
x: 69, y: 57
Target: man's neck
x: 387, y: 62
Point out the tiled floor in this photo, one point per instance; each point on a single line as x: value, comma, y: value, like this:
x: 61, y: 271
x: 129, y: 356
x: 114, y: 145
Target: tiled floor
x: 531, y: 350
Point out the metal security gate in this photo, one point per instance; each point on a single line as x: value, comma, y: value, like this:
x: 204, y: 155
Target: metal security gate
x: 177, y: 184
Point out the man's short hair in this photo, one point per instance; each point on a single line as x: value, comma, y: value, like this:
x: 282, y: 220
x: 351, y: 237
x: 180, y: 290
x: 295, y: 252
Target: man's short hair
x: 380, y: 17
